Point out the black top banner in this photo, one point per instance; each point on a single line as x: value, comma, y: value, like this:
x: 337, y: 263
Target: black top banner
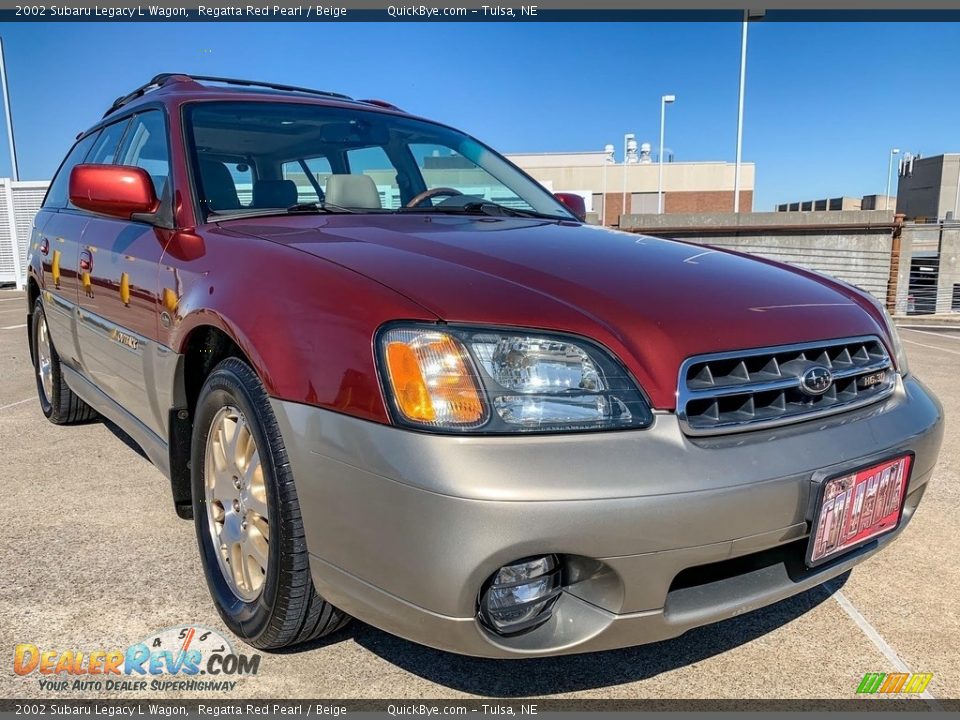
x: 478, y: 11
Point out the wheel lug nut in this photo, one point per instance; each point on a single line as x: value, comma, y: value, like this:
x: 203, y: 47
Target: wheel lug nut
x: 236, y: 482
x: 236, y: 505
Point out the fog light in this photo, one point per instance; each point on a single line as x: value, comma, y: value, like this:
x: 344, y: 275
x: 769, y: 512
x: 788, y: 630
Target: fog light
x: 520, y: 596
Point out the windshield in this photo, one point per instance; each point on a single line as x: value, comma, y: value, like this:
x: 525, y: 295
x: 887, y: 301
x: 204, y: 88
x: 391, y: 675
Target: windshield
x: 253, y: 157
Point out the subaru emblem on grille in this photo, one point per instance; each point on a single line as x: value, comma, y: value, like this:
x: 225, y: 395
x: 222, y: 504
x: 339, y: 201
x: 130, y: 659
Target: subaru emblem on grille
x: 816, y: 380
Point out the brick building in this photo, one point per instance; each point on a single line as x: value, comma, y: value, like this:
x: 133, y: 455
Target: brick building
x: 687, y: 186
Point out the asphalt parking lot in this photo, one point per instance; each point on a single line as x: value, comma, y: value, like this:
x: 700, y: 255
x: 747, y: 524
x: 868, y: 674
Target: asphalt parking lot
x: 94, y: 557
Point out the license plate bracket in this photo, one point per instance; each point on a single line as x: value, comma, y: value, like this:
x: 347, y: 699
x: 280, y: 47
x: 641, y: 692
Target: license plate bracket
x: 857, y: 506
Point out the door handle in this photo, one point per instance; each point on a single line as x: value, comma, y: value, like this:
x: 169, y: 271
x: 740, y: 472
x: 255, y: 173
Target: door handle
x: 86, y: 261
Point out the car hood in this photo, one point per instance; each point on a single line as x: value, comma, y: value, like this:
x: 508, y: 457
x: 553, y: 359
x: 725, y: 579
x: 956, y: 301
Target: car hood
x: 653, y: 302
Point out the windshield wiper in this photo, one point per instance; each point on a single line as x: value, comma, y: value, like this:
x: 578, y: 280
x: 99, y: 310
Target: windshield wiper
x: 299, y: 208
x: 484, y: 207
x: 320, y: 206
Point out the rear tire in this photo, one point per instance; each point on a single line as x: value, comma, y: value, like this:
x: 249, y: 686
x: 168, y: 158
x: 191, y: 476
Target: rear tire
x: 57, y: 401
x: 247, y: 515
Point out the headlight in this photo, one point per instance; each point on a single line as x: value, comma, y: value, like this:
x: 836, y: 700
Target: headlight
x: 492, y: 381
x: 900, y: 354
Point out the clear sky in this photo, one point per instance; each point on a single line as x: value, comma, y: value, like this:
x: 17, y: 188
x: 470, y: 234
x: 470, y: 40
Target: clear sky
x: 824, y: 103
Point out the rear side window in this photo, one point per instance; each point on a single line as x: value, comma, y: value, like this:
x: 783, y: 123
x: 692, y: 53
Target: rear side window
x: 318, y: 168
x: 145, y: 146
x: 58, y: 194
x: 105, y: 151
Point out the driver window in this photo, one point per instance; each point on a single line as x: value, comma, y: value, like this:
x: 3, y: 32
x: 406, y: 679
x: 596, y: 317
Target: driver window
x: 442, y: 166
x: 373, y: 162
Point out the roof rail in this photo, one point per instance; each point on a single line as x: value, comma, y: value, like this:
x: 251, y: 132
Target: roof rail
x: 160, y: 80
x: 155, y: 82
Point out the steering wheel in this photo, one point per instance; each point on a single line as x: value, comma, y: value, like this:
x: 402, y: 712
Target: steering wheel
x: 428, y: 194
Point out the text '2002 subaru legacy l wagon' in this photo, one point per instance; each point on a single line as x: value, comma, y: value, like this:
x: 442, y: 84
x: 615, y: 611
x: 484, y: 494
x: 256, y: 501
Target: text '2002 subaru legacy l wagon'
x: 390, y: 376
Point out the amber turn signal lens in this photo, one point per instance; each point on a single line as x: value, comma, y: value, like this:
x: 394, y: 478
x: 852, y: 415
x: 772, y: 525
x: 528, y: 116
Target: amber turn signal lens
x: 431, y: 378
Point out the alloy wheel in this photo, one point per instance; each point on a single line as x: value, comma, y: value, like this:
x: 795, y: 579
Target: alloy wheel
x: 236, y: 503
x: 44, y: 360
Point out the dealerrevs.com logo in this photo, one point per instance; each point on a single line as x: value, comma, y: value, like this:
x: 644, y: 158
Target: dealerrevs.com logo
x: 182, y: 658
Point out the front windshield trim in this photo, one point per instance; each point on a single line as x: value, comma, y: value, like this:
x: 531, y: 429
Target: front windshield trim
x: 531, y: 191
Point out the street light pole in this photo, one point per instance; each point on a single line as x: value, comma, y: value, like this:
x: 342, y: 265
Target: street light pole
x: 15, y: 171
x: 743, y: 82
x: 607, y: 159
x: 886, y: 198
x: 623, y: 199
x: 664, y: 101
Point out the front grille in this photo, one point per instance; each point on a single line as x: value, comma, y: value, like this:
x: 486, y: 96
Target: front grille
x: 753, y: 389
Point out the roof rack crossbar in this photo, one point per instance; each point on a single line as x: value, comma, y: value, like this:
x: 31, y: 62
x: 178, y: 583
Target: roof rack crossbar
x: 161, y: 79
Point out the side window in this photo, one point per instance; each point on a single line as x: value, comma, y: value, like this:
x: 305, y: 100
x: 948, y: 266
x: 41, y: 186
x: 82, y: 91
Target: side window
x: 105, y: 151
x: 373, y: 162
x: 318, y: 167
x: 242, y: 175
x: 58, y: 194
x: 145, y: 146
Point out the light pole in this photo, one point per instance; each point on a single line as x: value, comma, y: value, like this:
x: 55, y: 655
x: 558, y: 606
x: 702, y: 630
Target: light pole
x: 748, y: 15
x: 626, y: 144
x: 886, y: 198
x: 15, y: 171
x: 743, y: 82
x: 608, y: 158
x: 664, y: 101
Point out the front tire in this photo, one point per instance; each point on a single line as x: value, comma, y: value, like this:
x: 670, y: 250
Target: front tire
x: 57, y: 401
x: 247, y: 516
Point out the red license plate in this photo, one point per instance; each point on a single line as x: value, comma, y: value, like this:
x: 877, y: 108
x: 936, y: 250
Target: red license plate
x: 857, y: 507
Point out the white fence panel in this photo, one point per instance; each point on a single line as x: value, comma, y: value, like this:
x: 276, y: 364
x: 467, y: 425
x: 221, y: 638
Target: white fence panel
x: 19, y: 202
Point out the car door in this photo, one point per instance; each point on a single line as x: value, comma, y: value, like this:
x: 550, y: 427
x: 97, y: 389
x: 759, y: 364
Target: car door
x: 58, y: 228
x: 118, y: 320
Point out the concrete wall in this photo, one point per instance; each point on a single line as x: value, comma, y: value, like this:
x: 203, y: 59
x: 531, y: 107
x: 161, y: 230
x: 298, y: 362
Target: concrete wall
x: 853, y: 246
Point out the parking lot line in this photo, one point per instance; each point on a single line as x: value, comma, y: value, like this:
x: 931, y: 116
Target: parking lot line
x: 18, y: 402
x: 877, y: 639
x: 930, y: 332
x: 13, y: 327
x: 932, y: 347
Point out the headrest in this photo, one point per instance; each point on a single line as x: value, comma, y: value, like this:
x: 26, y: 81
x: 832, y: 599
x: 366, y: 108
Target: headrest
x: 274, y: 193
x: 352, y: 191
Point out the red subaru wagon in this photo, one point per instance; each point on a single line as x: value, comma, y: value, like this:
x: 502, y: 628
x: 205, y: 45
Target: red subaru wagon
x: 390, y: 376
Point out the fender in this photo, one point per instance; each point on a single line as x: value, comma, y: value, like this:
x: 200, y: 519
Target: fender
x: 305, y: 324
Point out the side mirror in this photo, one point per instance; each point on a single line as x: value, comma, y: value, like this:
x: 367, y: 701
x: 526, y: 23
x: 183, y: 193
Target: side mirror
x: 116, y: 190
x: 574, y: 203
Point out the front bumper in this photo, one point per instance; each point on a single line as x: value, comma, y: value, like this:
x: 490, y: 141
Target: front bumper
x: 404, y: 528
